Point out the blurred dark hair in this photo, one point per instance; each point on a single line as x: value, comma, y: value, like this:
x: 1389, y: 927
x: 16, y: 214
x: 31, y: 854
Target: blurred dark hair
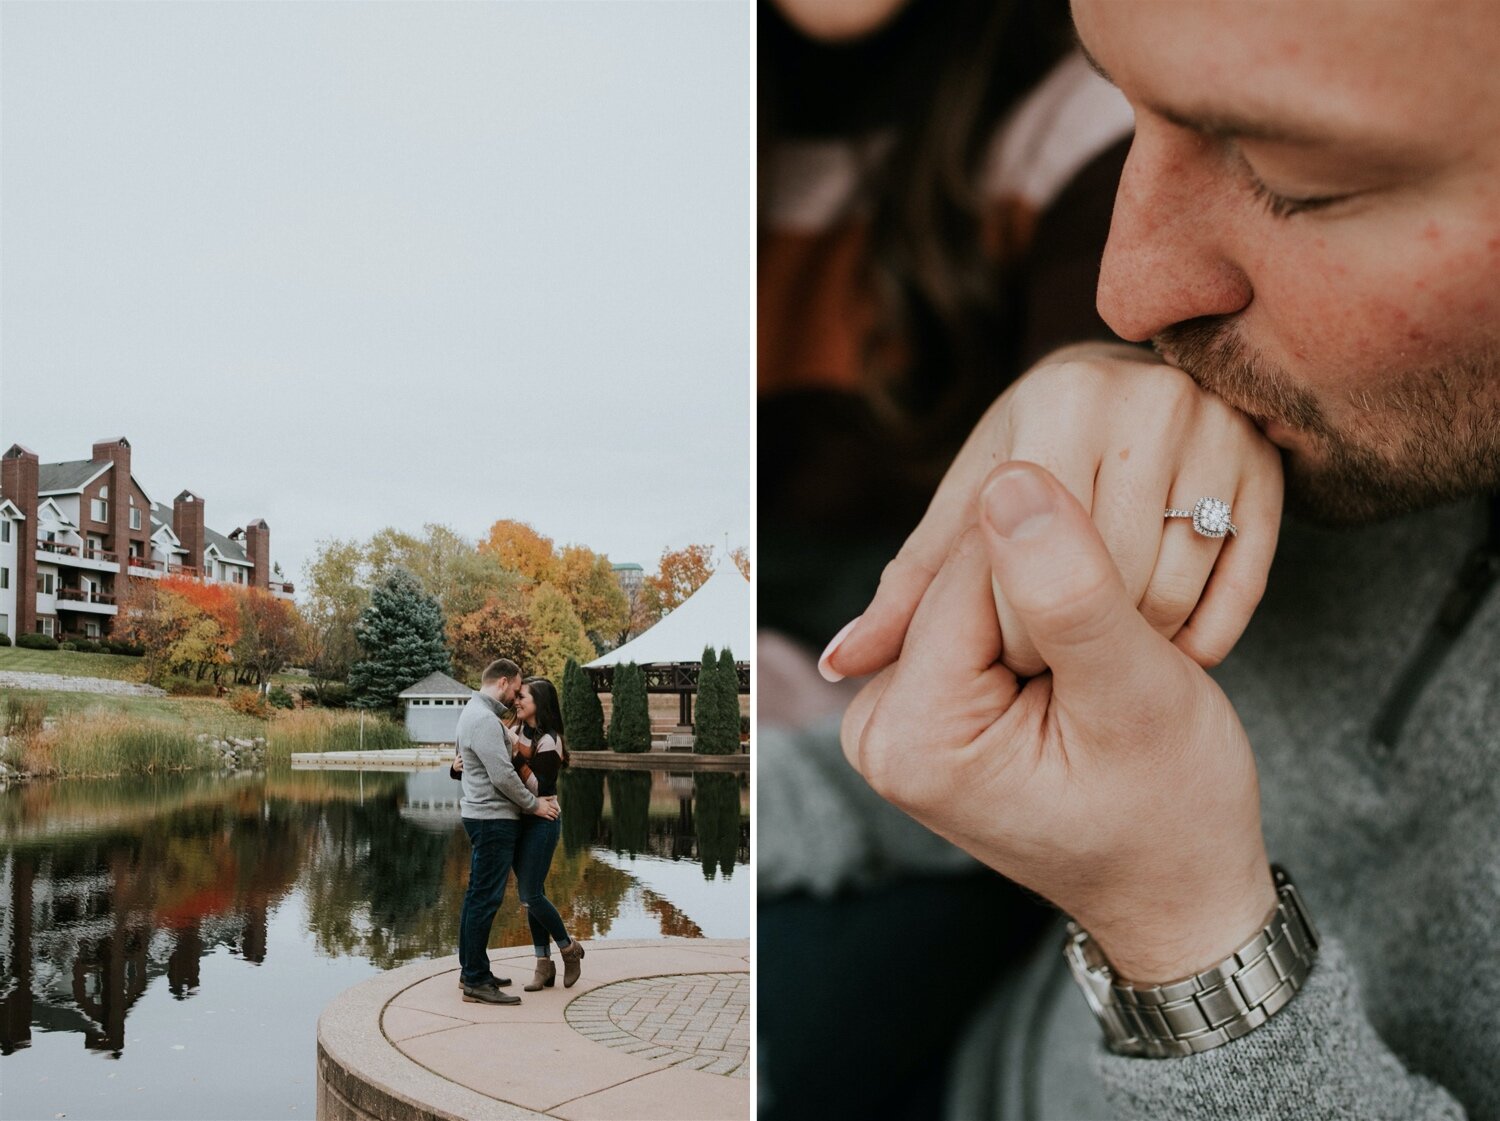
x: 547, y: 720
x: 938, y: 78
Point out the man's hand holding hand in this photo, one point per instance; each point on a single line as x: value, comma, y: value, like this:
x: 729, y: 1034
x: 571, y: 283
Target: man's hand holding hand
x: 547, y: 808
x: 1119, y: 785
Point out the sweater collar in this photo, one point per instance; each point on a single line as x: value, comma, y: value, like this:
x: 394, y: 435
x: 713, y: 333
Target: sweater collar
x: 497, y: 707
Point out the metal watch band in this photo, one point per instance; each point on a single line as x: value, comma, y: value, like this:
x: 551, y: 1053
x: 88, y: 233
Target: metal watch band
x: 1210, y: 1008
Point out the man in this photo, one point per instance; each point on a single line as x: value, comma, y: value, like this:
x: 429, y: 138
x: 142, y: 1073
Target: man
x: 1309, y: 225
x: 494, y: 798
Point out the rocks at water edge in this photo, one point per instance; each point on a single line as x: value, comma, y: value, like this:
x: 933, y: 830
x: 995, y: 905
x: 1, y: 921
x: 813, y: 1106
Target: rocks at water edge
x: 237, y: 753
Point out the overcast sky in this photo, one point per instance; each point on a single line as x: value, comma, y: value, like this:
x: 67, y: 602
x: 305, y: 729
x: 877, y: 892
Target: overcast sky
x: 350, y: 265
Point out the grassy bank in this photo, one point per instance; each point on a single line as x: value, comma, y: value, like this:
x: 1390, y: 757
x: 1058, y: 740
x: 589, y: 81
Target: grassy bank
x: 322, y: 729
x: 75, y: 735
x: 94, y: 746
x: 70, y: 663
x: 191, y: 714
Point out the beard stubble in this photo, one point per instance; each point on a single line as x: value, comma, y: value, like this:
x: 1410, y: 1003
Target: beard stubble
x: 1418, y: 438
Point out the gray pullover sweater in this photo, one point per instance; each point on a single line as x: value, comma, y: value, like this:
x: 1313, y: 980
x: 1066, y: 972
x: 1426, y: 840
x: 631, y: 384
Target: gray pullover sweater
x: 491, y: 787
x: 1396, y: 851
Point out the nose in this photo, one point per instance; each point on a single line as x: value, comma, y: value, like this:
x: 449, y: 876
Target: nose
x: 1167, y: 259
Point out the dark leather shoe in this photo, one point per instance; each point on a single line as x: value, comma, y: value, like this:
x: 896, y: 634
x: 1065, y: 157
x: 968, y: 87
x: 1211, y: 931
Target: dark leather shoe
x: 500, y: 982
x: 488, y: 994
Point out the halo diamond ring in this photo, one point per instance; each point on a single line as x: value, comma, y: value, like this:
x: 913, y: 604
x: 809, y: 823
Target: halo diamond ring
x: 1210, y: 518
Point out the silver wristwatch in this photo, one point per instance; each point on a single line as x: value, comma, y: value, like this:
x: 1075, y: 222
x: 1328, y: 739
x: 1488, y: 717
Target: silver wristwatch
x: 1210, y: 1008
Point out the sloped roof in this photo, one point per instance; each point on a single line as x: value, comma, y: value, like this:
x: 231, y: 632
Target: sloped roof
x: 716, y: 615
x: 437, y: 684
x: 230, y: 550
x: 73, y: 475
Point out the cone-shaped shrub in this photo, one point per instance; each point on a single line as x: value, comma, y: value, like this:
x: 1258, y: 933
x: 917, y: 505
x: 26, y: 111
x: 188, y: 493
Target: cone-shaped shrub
x: 718, y: 728
x: 729, y: 699
x: 583, y: 715
x: 706, y: 717
x: 630, y: 718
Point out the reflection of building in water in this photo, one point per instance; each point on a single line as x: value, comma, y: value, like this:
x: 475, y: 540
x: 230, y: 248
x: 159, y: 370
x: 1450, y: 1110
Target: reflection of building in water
x: 76, y: 959
x: 431, y: 801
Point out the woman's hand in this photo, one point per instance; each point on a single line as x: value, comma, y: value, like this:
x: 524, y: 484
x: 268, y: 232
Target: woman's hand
x: 1129, y: 437
x: 1120, y: 785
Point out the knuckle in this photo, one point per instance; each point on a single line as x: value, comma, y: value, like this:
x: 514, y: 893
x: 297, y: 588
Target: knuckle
x: 1068, y: 602
x: 905, y: 570
x: 1170, y: 598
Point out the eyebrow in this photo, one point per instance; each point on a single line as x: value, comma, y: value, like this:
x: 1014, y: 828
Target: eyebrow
x: 1215, y: 123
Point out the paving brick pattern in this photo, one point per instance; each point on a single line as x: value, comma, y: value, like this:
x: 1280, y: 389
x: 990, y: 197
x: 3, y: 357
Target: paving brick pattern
x: 700, y: 1021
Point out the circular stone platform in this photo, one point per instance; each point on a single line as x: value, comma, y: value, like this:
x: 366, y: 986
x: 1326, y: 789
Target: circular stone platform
x: 653, y: 1029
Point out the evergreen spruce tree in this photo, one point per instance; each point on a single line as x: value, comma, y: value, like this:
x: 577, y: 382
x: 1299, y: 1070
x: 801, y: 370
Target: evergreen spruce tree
x: 706, y: 718
x: 630, y: 720
x: 583, y: 715
x: 401, y: 634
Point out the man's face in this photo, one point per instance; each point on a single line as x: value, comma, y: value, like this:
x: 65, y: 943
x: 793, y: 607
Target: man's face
x: 1309, y: 224
x: 509, y: 687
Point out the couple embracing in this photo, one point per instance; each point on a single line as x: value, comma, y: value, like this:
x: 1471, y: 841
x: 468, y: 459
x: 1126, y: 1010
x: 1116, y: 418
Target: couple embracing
x: 511, y: 815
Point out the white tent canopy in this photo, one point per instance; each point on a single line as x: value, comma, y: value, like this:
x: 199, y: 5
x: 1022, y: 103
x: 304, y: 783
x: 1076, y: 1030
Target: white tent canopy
x: 716, y: 615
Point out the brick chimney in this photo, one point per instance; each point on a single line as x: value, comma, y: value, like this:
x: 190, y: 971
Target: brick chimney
x: 117, y: 451
x: 258, y: 549
x: 20, y: 472
x: 187, y: 524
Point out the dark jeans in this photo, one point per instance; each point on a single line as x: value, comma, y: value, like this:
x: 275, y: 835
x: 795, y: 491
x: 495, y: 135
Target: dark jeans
x: 533, y: 861
x: 494, y: 848
x: 864, y: 998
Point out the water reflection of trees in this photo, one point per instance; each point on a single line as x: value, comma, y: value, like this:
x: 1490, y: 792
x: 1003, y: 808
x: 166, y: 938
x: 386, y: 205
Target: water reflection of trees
x: 582, y: 793
x: 629, y: 811
x: 649, y: 813
x: 102, y: 897
x: 717, y: 798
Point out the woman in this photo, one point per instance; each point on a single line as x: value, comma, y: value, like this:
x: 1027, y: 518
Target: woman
x: 540, y: 755
x: 931, y: 220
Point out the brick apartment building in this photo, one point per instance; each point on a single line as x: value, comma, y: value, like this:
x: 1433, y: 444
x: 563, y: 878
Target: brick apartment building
x: 70, y: 533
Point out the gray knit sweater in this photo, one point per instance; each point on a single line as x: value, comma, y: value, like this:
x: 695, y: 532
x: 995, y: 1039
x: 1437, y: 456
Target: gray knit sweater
x: 492, y: 791
x: 1397, y: 854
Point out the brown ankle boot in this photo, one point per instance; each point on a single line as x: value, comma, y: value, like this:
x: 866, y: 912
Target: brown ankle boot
x: 572, y: 954
x: 546, y: 974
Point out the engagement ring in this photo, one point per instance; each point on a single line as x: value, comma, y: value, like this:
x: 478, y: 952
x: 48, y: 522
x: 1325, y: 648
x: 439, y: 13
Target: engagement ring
x: 1210, y: 518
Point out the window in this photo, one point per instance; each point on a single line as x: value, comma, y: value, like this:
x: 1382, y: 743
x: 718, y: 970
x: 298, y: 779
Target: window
x: 4, y: 532
x: 47, y: 626
x: 91, y: 629
x: 99, y: 510
x: 46, y: 584
x: 135, y: 550
x: 135, y: 519
x: 4, y: 579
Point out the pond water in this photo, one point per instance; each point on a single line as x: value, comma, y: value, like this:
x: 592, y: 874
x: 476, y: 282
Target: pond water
x: 167, y: 944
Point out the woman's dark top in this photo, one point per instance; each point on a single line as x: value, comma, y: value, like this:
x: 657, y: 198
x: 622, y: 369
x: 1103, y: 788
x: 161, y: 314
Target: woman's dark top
x: 545, y: 761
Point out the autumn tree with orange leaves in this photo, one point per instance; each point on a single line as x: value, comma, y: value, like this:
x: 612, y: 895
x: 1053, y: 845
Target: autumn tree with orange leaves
x: 680, y: 573
x: 519, y: 548
x: 210, y: 629
x: 271, y: 635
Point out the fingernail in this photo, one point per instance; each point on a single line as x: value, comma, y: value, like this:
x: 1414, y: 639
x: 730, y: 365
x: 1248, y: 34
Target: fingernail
x: 828, y: 672
x: 1018, y: 504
